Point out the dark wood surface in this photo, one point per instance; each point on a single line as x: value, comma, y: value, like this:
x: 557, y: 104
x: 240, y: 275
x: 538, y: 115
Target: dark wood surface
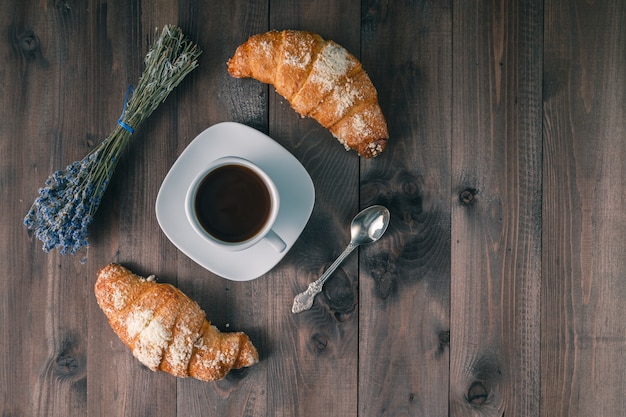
x: 498, y: 289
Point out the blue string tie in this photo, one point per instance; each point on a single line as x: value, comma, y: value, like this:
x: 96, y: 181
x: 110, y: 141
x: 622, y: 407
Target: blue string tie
x: 120, y: 121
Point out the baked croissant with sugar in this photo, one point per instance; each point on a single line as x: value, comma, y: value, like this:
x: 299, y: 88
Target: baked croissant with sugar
x: 166, y: 330
x: 320, y: 79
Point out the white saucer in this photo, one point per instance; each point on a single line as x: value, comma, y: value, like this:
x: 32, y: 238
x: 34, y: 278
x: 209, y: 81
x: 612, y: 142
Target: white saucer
x: 297, y: 196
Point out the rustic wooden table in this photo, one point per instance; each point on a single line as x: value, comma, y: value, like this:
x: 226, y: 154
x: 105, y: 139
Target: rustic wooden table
x: 498, y: 289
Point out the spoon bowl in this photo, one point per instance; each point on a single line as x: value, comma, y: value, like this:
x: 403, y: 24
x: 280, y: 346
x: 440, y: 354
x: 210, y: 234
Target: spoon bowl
x: 367, y: 226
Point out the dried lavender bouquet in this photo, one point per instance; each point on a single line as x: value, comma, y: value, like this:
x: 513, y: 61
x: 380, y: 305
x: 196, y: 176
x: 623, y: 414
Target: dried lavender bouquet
x: 64, y: 209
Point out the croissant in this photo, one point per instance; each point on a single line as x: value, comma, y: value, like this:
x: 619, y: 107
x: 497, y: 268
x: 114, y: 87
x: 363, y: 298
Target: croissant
x: 166, y: 330
x: 320, y: 79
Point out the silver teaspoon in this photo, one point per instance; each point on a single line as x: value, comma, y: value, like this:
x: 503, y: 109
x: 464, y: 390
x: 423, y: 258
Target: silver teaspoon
x: 367, y: 226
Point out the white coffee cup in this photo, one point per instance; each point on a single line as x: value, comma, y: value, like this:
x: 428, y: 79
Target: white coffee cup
x: 233, y: 204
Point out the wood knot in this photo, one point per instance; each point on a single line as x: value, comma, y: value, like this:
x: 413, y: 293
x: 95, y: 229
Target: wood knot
x: 411, y: 188
x: 372, y: 13
x: 69, y: 361
x: 384, y: 272
x: 28, y: 44
x: 468, y: 196
x: 444, y: 342
x: 63, y: 6
x: 320, y: 342
x: 477, y: 393
x: 339, y: 293
x: 66, y: 366
x: 384, y: 285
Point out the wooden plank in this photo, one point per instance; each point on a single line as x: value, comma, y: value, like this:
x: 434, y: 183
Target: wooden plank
x: 21, y: 82
x: 496, y: 215
x: 405, y: 293
x: 480, y: 300
x: 44, y: 343
x: 584, y: 233
x: 214, y: 97
x: 125, y: 229
x: 312, y: 369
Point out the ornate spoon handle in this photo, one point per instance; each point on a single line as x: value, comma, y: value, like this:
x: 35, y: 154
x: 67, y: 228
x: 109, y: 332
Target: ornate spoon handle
x: 304, y: 300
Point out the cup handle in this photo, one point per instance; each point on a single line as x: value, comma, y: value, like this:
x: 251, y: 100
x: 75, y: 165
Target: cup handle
x: 275, y: 240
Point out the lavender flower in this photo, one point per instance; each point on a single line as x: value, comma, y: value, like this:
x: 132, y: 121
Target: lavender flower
x: 61, y: 215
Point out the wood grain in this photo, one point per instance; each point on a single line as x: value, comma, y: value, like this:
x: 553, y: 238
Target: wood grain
x: 583, y: 329
x: 404, y: 279
x: 319, y: 358
x: 39, y: 67
x: 214, y: 97
x: 497, y: 290
x: 22, y: 51
x: 496, y: 217
x: 125, y: 230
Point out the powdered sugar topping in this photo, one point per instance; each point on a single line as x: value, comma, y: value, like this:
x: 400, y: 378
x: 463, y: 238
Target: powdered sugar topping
x: 218, y: 358
x: 333, y: 62
x: 297, y: 60
x: 345, y: 97
x: 266, y: 47
x: 118, y: 298
x: 153, y: 340
x: 137, y: 321
x: 361, y: 126
x: 180, y: 349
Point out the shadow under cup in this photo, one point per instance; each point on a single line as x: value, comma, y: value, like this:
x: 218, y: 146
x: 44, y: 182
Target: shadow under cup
x: 233, y: 204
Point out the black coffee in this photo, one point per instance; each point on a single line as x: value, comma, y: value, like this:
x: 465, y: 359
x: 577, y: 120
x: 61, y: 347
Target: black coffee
x: 232, y: 203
